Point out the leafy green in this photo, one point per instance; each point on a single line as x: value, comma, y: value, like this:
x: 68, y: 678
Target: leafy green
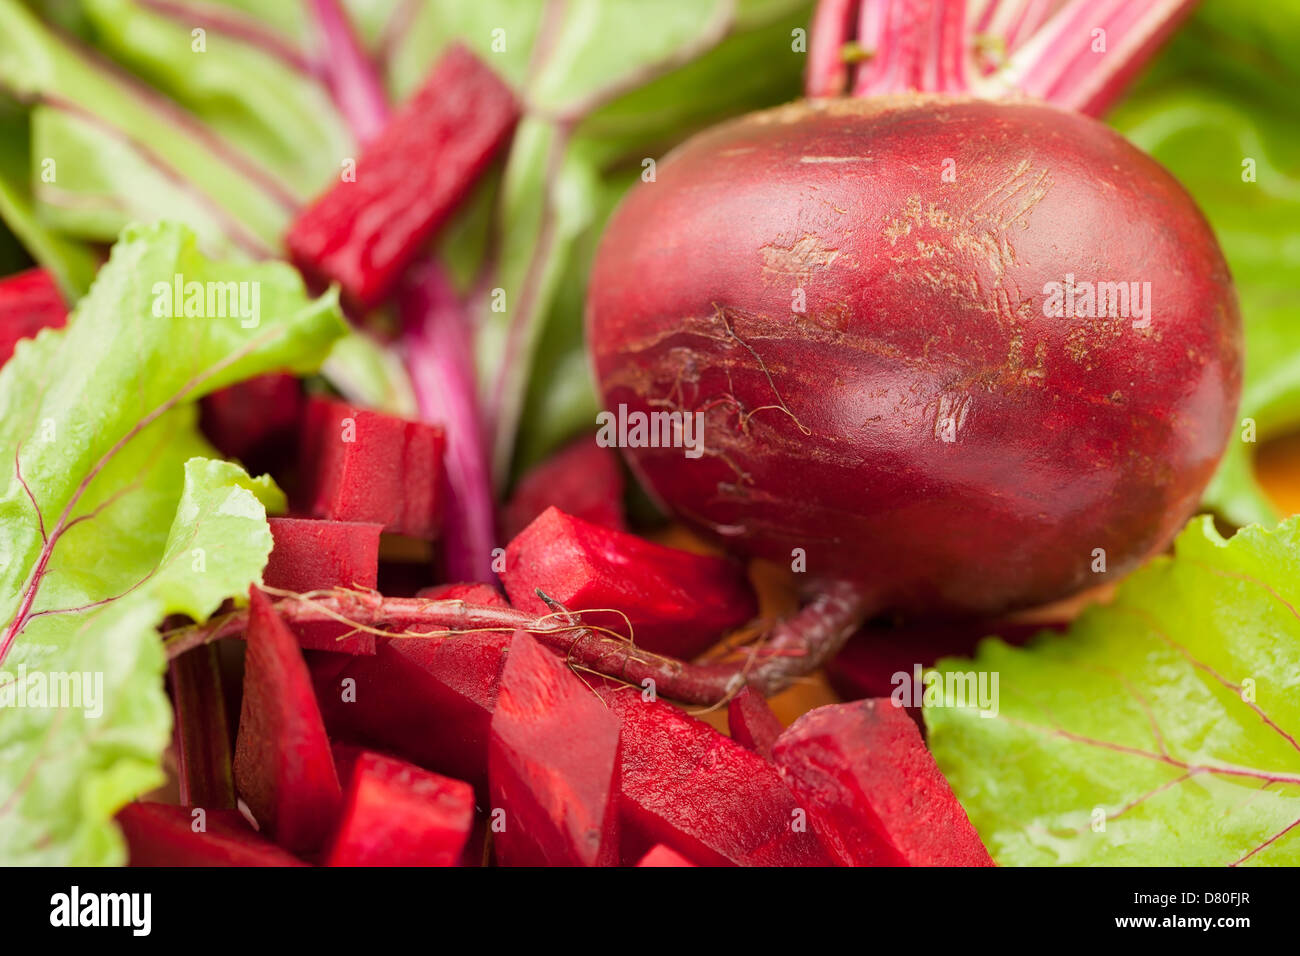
x: 1170, y: 715
x: 108, y: 488
x: 1220, y: 95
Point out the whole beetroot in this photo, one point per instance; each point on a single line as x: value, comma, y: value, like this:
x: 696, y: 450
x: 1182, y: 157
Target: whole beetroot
x: 864, y: 299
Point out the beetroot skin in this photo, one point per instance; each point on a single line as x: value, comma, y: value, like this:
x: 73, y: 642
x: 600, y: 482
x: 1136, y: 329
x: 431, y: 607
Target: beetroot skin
x: 920, y: 426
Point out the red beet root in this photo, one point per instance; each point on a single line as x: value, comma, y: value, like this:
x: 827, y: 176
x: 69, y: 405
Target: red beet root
x: 679, y: 603
x: 29, y: 302
x: 428, y: 700
x: 663, y: 856
x: 395, y: 814
x: 553, y: 764
x: 872, y: 790
x: 689, y: 787
x: 283, y: 767
x: 162, y: 835
x: 752, y: 723
x: 362, y: 233
x: 583, y: 480
x: 370, y: 467
x: 875, y: 348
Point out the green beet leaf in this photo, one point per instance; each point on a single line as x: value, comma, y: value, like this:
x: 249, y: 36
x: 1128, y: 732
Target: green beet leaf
x: 1162, y: 729
x: 112, y: 520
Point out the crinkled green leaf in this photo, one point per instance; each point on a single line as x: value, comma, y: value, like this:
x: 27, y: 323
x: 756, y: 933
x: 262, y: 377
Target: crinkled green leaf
x: 98, y: 424
x: 1161, y: 730
x: 1220, y: 95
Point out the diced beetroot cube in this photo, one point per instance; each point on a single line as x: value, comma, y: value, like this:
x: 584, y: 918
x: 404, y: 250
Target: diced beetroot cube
x: 363, y: 233
x: 256, y: 420
x: 752, y: 723
x: 583, y: 480
x: 371, y: 467
x: 202, y: 730
x: 663, y: 856
x: 553, y: 764
x: 679, y: 603
x: 872, y: 789
x: 395, y: 814
x: 311, y: 554
x: 283, y: 767
x: 158, y: 834
x: 29, y: 301
x: 471, y: 592
x: 697, y: 791
x: 427, y: 700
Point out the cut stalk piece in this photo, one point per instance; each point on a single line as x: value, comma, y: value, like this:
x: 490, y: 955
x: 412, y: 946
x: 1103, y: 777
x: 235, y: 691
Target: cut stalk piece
x: 29, y: 301
x: 872, y: 790
x: 283, y: 767
x: 678, y: 603
x: 553, y: 764
x: 203, y: 753
x: 752, y: 723
x: 395, y: 814
x: 363, y: 233
x: 159, y: 834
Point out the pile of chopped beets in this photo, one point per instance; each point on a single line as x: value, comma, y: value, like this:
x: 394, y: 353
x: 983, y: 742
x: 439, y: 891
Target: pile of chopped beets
x: 429, y: 677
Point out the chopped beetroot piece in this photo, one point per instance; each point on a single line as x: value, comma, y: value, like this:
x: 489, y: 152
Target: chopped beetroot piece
x: 29, y: 302
x: 370, y: 467
x: 752, y: 723
x: 679, y: 603
x: 362, y: 233
x: 428, y: 700
x: 283, y: 767
x: 553, y: 764
x: 256, y: 420
x: 687, y: 786
x: 872, y: 789
x: 395, y: 814
x: 583, y: 480
x: 311, y: 554
x: 159, y: 834
x: 470, y: 592
x: 664, y: 856
x: 202, y: 730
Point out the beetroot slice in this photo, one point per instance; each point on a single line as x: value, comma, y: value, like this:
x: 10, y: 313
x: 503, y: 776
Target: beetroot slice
x: 583, y: 479
x: 395, y: 814
x: 427, y: 700
x: 471, y: 592
x: 687, y: 786
x: 29, y: 301
x: 664, y: 856
x: 283, y: 767
x: 363, y: 233
x: 752, y: 723
x: 255, y: 421
x: 679, y: 603
x: 310, y: 554
x: 872, y: 789
x: 159, y: 834
x: 366, y: 466
x: 553, y: 764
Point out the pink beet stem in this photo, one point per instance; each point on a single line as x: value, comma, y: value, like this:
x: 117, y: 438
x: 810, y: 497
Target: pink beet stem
x: 202, y: 731
x: 437, y: 339
x: 794, y: 647
x: 352, y: 79
x: 832, y: 27
x: 915, y: 45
